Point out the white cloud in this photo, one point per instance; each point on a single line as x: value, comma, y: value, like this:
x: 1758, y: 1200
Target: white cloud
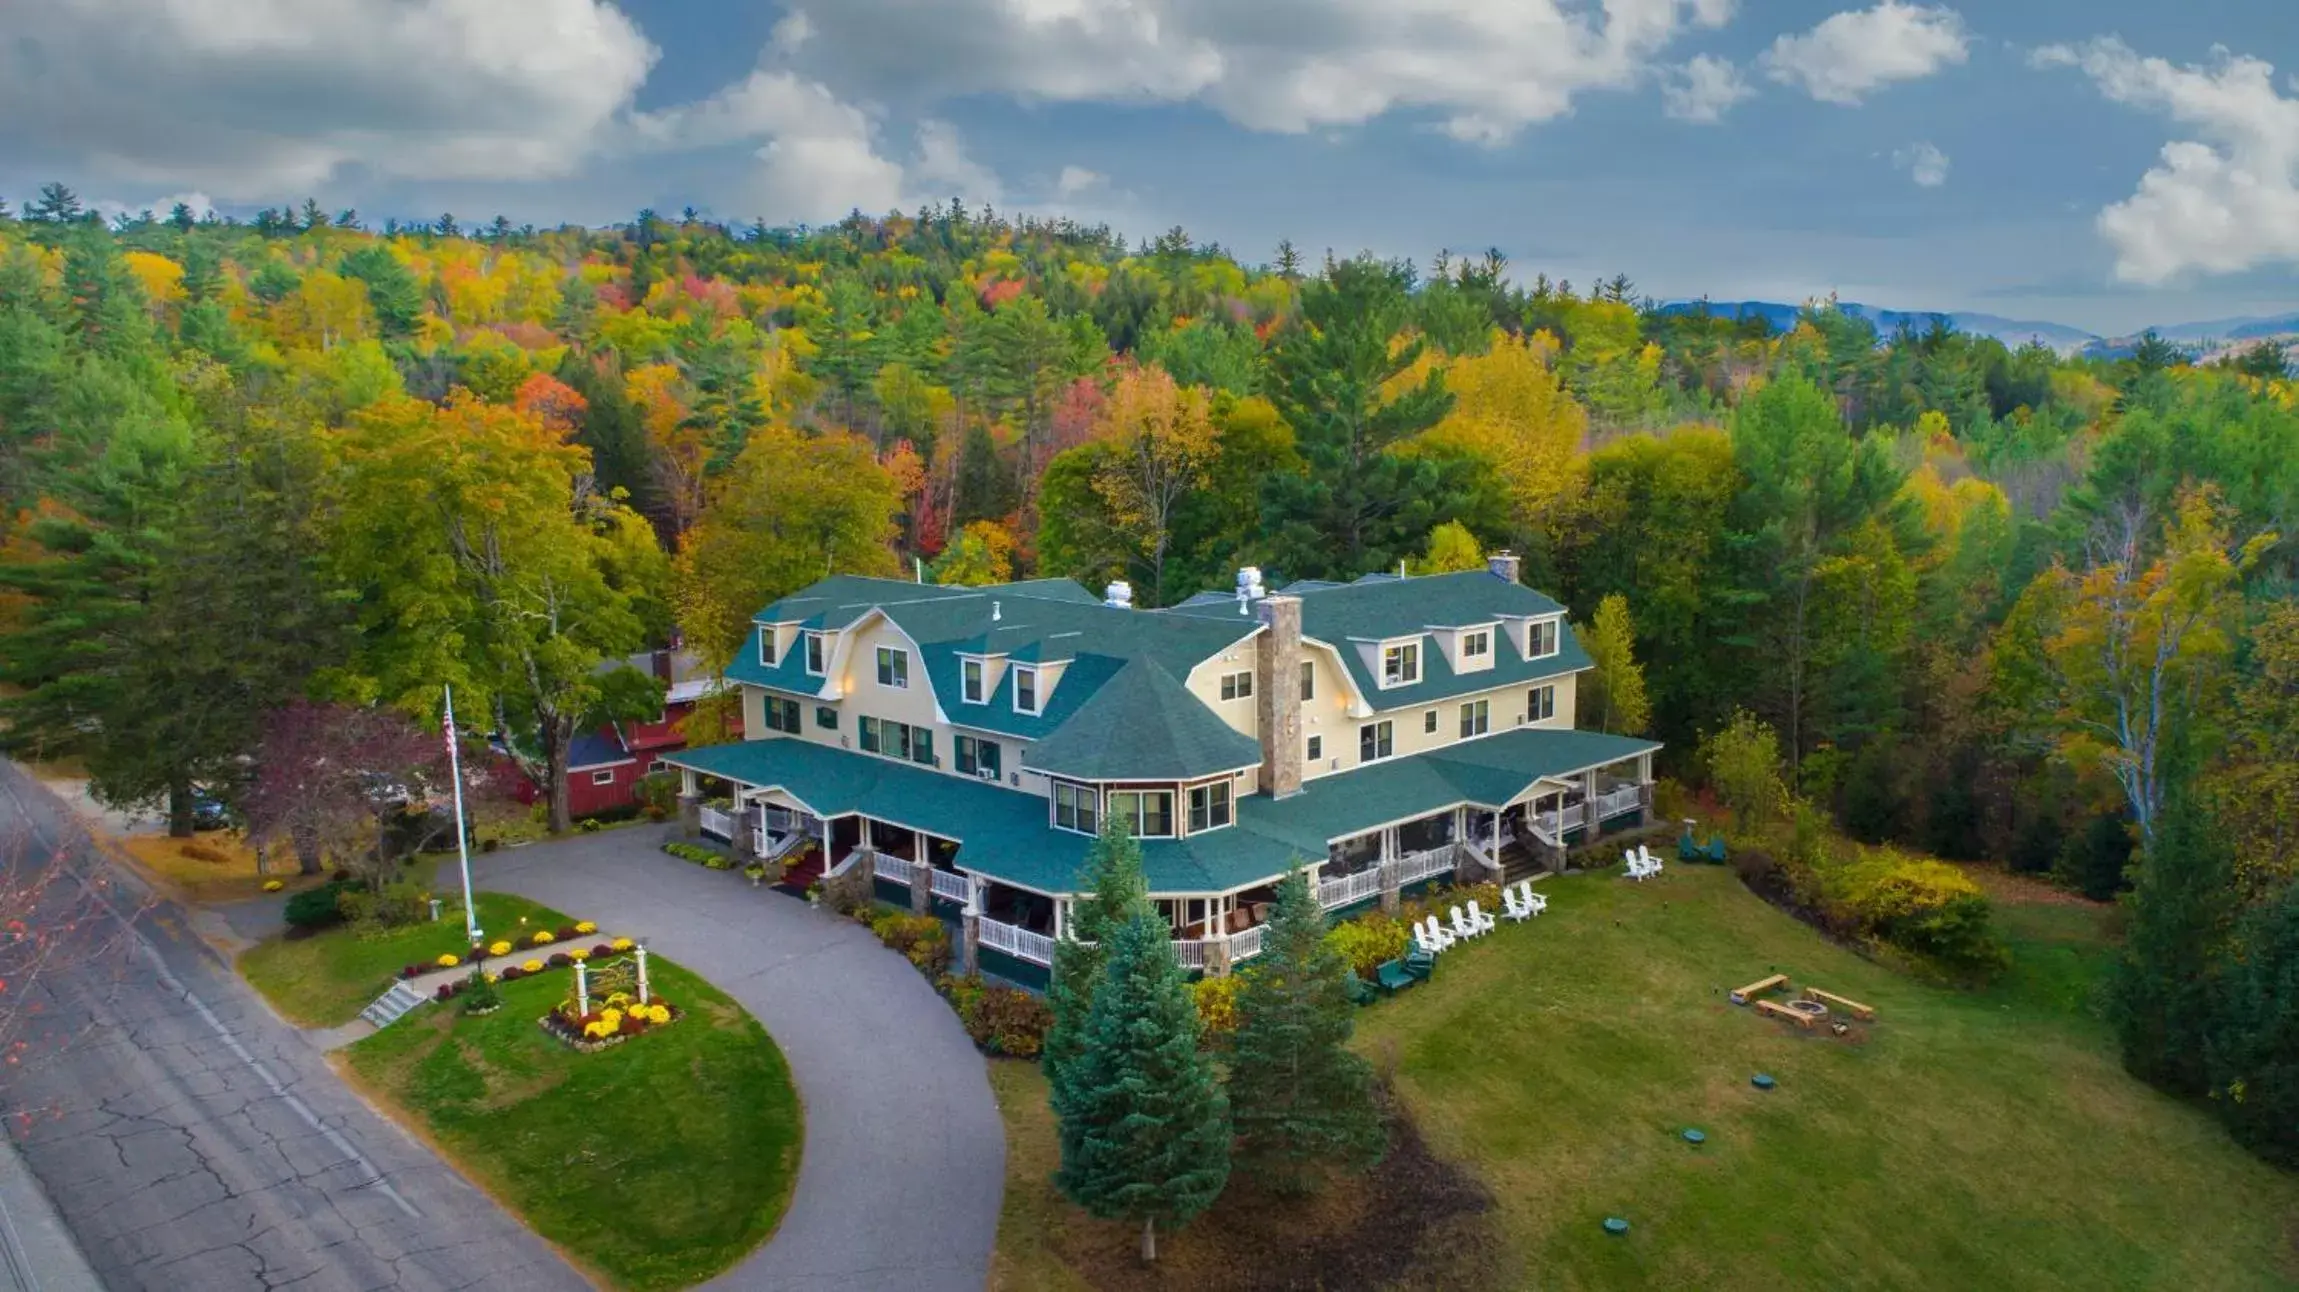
x: 265, y: 99
x: 1850, y: 54
x: 1703, y: 90
x: 819, y: 156
x: 2222, y: 204
x: 1077, y: 179
x: 792, y: 33
x: 1486, y: 68
x: 1925, y: 164
x: 112, y: 209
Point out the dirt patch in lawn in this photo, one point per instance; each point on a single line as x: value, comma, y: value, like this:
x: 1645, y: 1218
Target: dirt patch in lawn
x: 1412, y: 1221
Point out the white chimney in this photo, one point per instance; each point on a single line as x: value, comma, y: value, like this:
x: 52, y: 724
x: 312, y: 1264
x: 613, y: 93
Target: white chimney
x: 1120, y: 594
x: 994, y: 616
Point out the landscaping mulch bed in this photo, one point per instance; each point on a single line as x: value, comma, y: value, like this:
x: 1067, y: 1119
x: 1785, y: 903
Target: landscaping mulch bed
x: 1412, y: 1221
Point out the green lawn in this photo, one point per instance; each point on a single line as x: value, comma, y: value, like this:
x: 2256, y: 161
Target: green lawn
x: 656, y: 1163
x: 327, y: 978
x: 1972, y: 1139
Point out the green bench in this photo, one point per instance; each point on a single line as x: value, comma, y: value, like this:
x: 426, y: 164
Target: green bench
x: 1394, y: 976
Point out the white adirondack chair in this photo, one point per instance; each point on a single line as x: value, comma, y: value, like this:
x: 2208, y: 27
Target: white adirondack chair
x: 1436, y: 936
x: 1535, y: 903
x: 1480, y: 921
x: 1514, y: 908
x: 1461, y: 927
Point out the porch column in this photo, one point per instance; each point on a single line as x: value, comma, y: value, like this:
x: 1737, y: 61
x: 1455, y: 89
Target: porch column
x: 921, y: 876
x: 1588, y: 805
x: 1061, y: 924
x: 1644, y: 788
x: 970, y: 932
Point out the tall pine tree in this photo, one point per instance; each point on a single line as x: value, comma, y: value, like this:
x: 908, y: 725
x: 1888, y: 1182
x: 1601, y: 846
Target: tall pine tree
x: 1144, y: 1127
x: 1117, y: 891
x: 1300, y: 1099
x: 2254, y: 1045
x: 2161, y: 992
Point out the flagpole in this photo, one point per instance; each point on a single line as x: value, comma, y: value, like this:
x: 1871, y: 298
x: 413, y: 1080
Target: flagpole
x: 471, y: 927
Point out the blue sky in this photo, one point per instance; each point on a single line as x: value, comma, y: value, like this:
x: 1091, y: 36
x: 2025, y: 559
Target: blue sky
x: 2094, y: 162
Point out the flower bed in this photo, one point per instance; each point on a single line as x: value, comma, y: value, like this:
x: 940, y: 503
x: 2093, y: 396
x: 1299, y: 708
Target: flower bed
x: 499, y: 948
x: 618, y: 1019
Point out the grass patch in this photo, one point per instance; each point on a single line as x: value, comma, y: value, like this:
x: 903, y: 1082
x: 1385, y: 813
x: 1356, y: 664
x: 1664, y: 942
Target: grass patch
x: 1969, y: 1139
x: 327, y: 978
x: 214, y: 866
x: 657, y: 1163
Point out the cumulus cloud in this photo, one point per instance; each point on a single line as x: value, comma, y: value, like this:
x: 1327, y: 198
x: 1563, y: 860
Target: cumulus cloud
x: 1077, y: 179
x: 819, y: 156
x: 1703, y: 90
x: 1854, y: 53
x: 264, y: 98
x: 1486, y: 68
x: 2223, y: 203
x: 198, y: 204
x: 1925, y: 164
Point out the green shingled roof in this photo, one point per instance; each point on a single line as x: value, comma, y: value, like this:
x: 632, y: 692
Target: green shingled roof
x: 1143, y: 724
x: 1005, y: 834
x: 1386, y: 606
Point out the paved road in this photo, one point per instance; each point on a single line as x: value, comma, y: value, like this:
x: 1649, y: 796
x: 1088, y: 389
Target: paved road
x: 192, y: 1141
x: 905, y: 1155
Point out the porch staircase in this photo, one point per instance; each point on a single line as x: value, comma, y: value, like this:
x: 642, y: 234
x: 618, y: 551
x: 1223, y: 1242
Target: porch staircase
x: 1519, y: 862
x: 392, y: 1005
x: 800, y: 871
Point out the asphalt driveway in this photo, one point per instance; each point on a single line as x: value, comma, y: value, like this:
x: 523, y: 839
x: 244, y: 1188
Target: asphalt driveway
x: 905, y: 1156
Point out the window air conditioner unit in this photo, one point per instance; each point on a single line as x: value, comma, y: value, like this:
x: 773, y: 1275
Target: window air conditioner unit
x: 845, y: 742
x: 988, y: 774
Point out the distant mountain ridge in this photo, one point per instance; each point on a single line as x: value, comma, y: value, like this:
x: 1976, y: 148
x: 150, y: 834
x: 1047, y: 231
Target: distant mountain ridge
x: 2208, y: 336
x: 2012, y: 332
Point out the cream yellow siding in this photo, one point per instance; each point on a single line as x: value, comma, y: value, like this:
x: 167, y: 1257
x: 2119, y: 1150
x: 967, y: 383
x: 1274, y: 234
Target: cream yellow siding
x: 1327, y: 715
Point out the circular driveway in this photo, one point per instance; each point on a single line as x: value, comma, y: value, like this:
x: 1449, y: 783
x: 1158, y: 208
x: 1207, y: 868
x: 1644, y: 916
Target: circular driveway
x: 905, y: 1157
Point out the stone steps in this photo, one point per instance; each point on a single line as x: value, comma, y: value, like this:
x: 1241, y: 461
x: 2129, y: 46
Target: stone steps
x: 392, y: 1005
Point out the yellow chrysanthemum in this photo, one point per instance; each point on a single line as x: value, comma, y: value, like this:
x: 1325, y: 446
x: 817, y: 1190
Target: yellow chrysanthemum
x: 586, y: 927
x: 543, y: 938
x: 498, y: 948
x: 532, y: 966
x: 448, y: 962
x: 621, y: 944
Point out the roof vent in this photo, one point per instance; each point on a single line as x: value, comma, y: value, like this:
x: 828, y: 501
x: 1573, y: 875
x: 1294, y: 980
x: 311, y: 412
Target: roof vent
x: 1119, y: 594
x: 994, y: 615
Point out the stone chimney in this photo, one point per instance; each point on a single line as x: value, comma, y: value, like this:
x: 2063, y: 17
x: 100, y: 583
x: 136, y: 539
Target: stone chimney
x: 1277, y: 694
x: 1503, y: 565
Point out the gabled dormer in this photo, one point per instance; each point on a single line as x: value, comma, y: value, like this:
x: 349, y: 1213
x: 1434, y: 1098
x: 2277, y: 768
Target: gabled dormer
x: 1395, y: 662
x: 1534, y: 637
x: 1468, y: 648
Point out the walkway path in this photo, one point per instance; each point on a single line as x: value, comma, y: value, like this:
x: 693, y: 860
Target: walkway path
x: 904, y: 1163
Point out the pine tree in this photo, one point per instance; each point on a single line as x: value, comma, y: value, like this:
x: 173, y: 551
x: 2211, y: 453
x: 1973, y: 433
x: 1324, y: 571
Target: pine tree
x: 2254, y: 1045
x: 1145, y: 1129
x: 1116, y: 892
x: 1300, y: 1099
x: 2161, y: 990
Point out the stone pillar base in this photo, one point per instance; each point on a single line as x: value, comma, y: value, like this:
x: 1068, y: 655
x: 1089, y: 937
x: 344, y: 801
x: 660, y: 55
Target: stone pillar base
x: 1217, y: 958
x: 743, y: 846
x: 1392, y: 892
x: 970, y: 944
x: 690, y: 816
x: 921, y: 888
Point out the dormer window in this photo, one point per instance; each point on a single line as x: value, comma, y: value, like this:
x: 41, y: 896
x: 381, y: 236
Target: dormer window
x: 970, y: 680
x: 814, y: 654
x: 1401, y: 664
x: 894, y: 667
x: 766, y: 651
x: 1540, y: 638
x: 1025, y: 689
x: 1477, y: 645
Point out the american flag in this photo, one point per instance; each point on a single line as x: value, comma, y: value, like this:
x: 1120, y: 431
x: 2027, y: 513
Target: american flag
x: 449, y: 725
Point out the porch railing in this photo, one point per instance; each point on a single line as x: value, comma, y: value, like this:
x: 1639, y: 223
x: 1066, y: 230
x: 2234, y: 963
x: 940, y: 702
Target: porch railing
x: 894, y: 870
x: 1618, y: 802
x: 1020, y: 943
x: 1552, y: 825
x: 1191, y: 952
x: 718, y: 824
x: 1348, y: 890
x: 1248, y: 943
x: 953, y: 885
x: 853, y: 859
x: 1414, y: 867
